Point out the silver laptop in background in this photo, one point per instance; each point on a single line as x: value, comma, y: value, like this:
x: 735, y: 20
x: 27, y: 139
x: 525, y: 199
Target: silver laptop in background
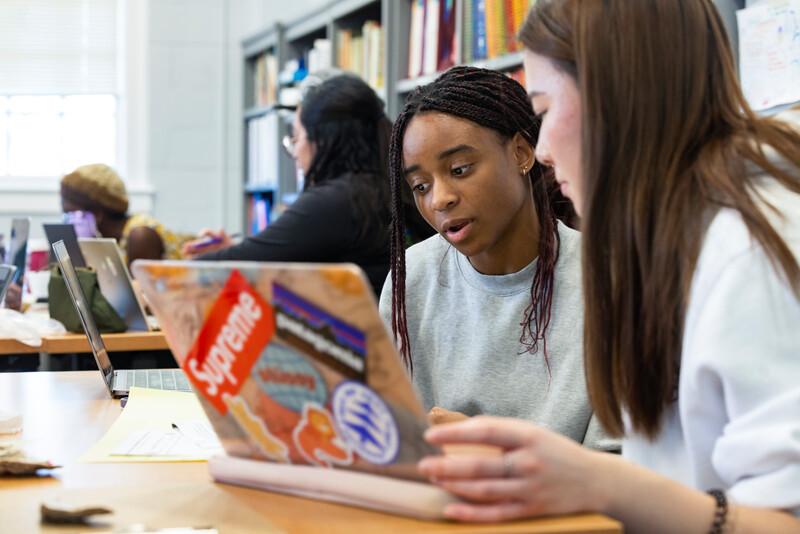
x: 104, y: 256
x: 18, y: 246
x: 6, y: 277
x: 118, y: 382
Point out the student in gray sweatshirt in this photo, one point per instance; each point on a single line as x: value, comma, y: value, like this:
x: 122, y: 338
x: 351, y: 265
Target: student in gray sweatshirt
x: 488, y: 312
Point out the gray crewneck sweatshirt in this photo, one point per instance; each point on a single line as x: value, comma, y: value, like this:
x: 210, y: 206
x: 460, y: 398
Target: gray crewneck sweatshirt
x: 464, y: 331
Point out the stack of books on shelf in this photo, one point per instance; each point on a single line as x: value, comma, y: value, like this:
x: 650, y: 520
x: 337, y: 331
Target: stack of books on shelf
x: 491, y: 27
x: 262, y: 152
x: 258, y: 212
x: 320, y: 56
x: 265, y: 78
x: 362, y: 53
x: 433, y: 43
x: 488, y: 30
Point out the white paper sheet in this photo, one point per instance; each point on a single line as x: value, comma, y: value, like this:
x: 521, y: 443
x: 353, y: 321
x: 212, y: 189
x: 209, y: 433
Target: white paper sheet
x: 150, y: 415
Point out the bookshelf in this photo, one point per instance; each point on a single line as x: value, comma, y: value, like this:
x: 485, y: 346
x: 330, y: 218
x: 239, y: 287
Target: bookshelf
x: 264, y: 166
x: 373, y: 39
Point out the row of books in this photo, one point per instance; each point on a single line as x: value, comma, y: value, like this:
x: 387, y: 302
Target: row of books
x: 265, y: 77
x: 491, y: 27
x: 433, y: 43
x: 362, y: 53
x: 258, y: 212
x: 320, y: 56
x: 487, y: 29
x: 262, y: 152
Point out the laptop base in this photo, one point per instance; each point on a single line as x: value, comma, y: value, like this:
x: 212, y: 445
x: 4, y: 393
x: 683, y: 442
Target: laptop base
x: 364, y: 490
x: 166, y: 379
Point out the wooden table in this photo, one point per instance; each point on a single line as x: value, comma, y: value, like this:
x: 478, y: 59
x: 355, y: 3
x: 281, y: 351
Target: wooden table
x: 70, y: 343
x: 64, y: 413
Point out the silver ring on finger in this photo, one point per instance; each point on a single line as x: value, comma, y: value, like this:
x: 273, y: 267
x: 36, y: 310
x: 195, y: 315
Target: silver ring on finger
x: 508, y: 466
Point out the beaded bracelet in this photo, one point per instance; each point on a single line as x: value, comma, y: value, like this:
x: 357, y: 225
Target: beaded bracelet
x: 720, y: 512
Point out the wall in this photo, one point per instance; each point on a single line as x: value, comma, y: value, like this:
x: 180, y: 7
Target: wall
x: 195, y: 105
x: 185, y: 151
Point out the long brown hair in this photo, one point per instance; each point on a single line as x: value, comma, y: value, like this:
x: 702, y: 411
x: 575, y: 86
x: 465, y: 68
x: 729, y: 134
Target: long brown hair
x: 492, y: 100
x: 667, y: 138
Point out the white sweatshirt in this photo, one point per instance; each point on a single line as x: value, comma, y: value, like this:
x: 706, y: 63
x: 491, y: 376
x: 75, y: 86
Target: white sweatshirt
x: 736, y: 425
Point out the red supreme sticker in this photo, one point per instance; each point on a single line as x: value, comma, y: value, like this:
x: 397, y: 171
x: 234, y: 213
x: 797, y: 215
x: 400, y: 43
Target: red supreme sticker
x: 238, y: 328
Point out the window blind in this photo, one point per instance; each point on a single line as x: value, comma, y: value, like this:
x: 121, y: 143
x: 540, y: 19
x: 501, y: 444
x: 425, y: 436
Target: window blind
x: 58, y: 47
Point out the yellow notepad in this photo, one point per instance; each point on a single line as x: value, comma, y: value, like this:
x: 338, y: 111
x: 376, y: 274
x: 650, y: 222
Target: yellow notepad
x: 152, y: 412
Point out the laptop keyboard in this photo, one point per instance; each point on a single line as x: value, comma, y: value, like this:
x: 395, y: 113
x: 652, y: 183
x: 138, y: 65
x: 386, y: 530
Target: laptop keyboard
x: 169, y: 379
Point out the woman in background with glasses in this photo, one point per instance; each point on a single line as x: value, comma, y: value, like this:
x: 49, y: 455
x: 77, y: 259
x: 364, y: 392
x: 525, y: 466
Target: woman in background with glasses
x: 339, y: 143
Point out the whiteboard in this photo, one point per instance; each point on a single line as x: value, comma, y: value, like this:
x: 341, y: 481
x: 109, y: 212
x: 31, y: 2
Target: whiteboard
x: 769, y: 53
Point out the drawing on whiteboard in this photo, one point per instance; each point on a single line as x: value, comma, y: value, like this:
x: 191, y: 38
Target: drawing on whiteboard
x: 769, y: 53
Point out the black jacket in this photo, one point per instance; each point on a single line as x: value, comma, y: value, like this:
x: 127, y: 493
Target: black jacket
x: 321, y: 226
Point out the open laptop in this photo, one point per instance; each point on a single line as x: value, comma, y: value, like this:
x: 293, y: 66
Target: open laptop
x: 65, y: 232
x: 118, y: 382
x: 6, y: 277
x: 104, y: 256
x: 292, y: 363
x: 18, y: 246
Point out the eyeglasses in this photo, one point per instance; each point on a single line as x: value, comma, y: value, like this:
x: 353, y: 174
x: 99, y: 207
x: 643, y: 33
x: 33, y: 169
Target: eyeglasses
x: 288, y: 145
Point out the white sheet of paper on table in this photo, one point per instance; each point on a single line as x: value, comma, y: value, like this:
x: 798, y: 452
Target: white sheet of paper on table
x: 156, y: 443
x: 192, y: 437
x: 153, y: 410
x: 200, y: 433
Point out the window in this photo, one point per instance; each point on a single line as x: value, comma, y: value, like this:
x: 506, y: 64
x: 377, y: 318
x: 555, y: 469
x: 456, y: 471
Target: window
x: 50, y: 135
x: 58, y: 86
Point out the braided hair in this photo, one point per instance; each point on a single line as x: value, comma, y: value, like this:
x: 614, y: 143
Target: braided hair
x: 495, y: 101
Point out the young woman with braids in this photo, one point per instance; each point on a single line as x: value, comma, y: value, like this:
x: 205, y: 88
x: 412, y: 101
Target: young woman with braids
x: 487, y: 312
x: 690, y: 211
x: 340, y: 142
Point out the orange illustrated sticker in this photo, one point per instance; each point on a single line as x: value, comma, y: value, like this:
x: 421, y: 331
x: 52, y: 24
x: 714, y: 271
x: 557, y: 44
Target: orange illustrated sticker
x: 272, y: 447
x: 237, y: 329
x: 316, y: 438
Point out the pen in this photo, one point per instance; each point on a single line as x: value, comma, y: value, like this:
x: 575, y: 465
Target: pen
x: 212, y: 240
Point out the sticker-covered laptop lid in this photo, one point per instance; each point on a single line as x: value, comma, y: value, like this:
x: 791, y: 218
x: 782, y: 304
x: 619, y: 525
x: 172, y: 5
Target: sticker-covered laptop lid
x: 292, y: 362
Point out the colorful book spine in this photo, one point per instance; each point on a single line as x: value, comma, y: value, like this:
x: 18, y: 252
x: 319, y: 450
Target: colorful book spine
x: 500, y: 28
x: 467, y: 32
x: 479, y: 23
x: 431, y: 40
x: 520, y: 12
x: 447, y: 35
x: 510, y: 25
x: 416, y: 35
x: 265, y: 74
x: 491, y: 28
x: 258, y: 212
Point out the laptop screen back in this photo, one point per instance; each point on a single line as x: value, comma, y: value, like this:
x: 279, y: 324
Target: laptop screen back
x: 87, y: 320
x: 66, y: 233
x: 104, y: 256
x: 6, y: 275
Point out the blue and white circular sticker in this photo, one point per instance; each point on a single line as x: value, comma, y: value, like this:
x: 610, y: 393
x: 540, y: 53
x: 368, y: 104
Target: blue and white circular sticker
x: 366, y: 422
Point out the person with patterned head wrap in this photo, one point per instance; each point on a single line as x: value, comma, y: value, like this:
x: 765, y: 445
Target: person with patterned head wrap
x: 99, y: 190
